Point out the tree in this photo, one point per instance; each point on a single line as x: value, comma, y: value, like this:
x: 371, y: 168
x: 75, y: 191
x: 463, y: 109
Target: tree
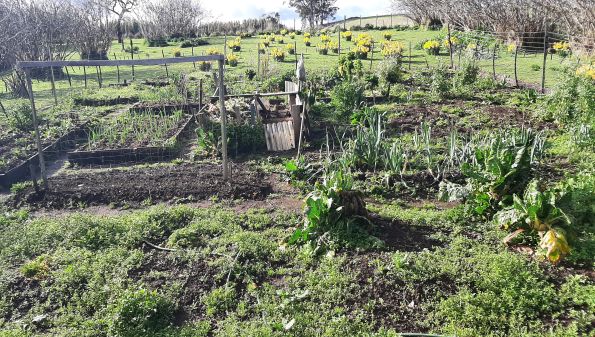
x: 171, y: 18
x: 314, y: 12
x: 119, y: 8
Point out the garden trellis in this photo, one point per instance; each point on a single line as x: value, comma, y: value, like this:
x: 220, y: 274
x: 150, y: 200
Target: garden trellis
x: 27, y: 66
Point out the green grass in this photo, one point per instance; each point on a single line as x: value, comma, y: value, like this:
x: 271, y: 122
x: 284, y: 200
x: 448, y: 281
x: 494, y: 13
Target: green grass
x: 232, y: 274
x: 248, y: 60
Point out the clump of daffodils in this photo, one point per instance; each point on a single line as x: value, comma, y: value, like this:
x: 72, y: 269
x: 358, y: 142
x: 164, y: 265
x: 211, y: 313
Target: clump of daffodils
x: 232, y: 59
x: 214, y: 51
x: 278, y: 54
x: 561, y: 48
x: 587, y: 71
x: 347, y: 35
x: 235, y: 44
x: 392, y: 49
x: 432, y: 47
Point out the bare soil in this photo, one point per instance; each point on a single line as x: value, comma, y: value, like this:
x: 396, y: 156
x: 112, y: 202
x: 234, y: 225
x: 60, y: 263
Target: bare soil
x: 132, y: 186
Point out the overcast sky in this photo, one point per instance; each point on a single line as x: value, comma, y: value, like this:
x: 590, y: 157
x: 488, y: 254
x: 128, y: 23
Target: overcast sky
x: 243, y: 9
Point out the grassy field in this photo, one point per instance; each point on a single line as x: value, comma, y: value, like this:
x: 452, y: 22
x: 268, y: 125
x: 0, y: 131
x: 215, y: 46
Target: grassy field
x: 528, y: 64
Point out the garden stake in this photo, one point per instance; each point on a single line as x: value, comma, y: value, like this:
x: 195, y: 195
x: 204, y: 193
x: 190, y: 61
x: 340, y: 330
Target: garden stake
x: 449, y: 45
x: 409, y: 55
x: 166, y: 70
x: 132, y: 57
x: 117, y: 68
x: 545, y: 43
x: 494, y: 61
x: 223, y: 121
x: 516, y: 77
x: 36, y: 127
x: 85, y: 73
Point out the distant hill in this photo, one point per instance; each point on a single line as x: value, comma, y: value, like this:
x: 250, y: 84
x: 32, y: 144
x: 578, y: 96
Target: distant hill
x: 374, y: 21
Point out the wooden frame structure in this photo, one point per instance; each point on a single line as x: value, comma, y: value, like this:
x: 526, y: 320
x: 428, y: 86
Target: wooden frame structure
x: 26, y: 67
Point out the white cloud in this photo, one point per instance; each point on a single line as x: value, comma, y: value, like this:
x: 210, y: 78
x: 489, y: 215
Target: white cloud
x: 243, y: 9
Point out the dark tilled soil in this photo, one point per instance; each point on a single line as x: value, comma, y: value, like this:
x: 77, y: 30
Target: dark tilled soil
x: 400, y: 235
x: 135, y: 185
x: 195, y: 277
x: 397, y: 305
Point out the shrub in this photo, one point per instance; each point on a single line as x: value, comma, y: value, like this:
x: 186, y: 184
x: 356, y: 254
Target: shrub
x: 140, y: 313
x: 177, y: 52
x: 572, y: 100
x: 250, y: 73
x: 205, y: 66
x: 439, y: 85
x: 347, y: 97
x: 19, y: 117
x: 387, y: 36
x: 158, y: 42
x: 307, y: 41
x: 389, y: 72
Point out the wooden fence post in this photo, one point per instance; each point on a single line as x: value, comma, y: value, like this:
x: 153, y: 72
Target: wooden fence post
x: 36, y: 127
x: 117, y: 68
x: 132, y: 57
x: 223, y: 121
x: 85, y: 74
x: 166, y: 70
x: 409, y: 55
x: 545, y: 45
x: 516, y: 76
x: 494, y: 61
x: 450, y: 45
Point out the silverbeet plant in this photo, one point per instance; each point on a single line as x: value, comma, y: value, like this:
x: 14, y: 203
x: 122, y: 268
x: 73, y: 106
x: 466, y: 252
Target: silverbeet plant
x: 537, y: 212
x: 335, y: 215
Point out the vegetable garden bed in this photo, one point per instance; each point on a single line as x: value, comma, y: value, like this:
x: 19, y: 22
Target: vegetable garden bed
x: 167, y: 108
x: 143, y: 137
x: 22, y: 171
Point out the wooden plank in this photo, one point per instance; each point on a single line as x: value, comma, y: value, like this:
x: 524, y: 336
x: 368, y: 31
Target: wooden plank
x: 274, y: 137
x: 267, y: 136
x: 266, y: 94
x: 114, y: 63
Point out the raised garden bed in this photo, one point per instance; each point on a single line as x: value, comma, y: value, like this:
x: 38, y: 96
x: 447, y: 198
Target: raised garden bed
x: 134, y: 138
x: 106, y: 101
x: 22, y: 172
x: 167, y: 108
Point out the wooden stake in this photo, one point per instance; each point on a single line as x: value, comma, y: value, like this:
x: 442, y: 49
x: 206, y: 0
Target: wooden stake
x: 545, y: 44
x: 166, y: 70
x: 450, y: 46
x: 68, y: 76
x: 36, y: 127
x: 409, y: 55
x: 85, y: 74
x: 117, y: 68
x: 223, y: 122
x: 132, y: 56
x: 516, y: 76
